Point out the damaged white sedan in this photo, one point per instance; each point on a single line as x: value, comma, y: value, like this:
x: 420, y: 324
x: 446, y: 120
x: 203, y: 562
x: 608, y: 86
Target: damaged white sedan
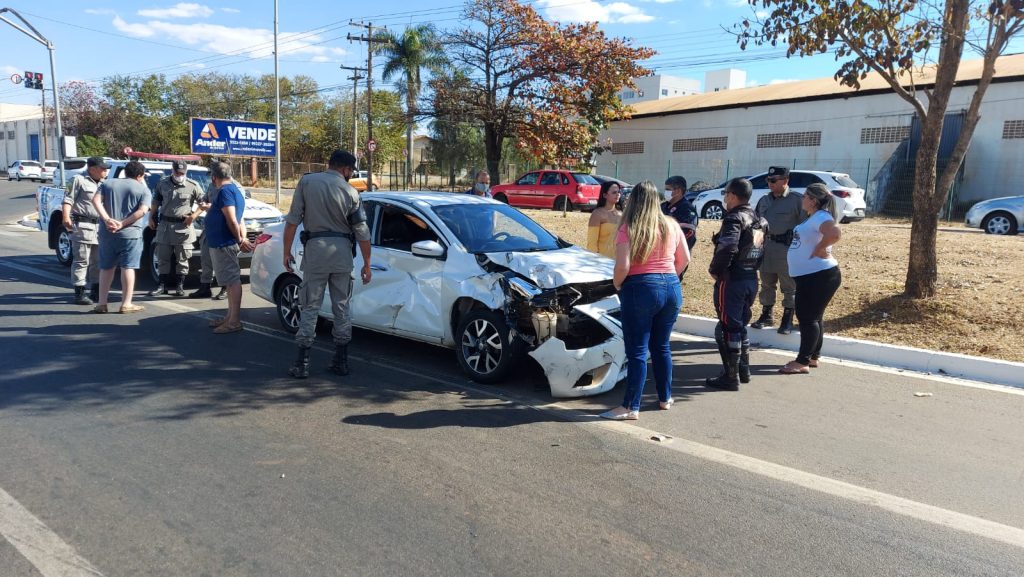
x: 477, y: 276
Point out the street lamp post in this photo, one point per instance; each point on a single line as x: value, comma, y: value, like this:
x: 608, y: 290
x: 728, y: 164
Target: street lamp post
x: 35, y: 35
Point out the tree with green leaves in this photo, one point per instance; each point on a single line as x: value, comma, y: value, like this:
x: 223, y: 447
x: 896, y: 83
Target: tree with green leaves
x: 896, y: 39
x: 406, y: 56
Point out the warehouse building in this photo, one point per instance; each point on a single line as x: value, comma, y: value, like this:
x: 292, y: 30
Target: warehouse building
x: 870, y: 134
x: 21, y: 134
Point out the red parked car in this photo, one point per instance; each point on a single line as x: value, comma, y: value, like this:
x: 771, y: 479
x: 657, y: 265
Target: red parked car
x: 550, y: 189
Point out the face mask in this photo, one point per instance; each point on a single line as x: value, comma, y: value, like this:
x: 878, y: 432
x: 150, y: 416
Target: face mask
x: 481, y: 187
x: 177, y: 179
x: 666, y: 194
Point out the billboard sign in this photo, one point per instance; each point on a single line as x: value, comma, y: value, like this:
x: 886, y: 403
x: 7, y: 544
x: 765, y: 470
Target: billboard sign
x: 232, y: 137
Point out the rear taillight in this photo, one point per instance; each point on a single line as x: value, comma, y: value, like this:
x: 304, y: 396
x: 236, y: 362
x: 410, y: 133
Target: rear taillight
x: 841, y: 193
x: 262, y: 238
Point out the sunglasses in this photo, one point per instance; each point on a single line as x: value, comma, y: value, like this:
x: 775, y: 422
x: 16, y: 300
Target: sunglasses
x: 776, y: 179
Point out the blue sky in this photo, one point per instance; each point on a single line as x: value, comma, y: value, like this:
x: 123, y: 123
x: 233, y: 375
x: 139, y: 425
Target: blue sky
x: 106, y: 37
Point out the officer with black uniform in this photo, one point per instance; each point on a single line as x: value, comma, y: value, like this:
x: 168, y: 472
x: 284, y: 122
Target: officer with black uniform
x: 334, y: 221
x: 739, y: 249
x: 681, y: 209
x: 782, y: 209
x: 79, y: 217
x: 176, y: 205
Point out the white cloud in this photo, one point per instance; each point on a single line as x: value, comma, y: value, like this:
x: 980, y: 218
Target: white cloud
x: 231, y: 10
x: 591, y: 11
x: 782, y: 80
x: 7, y: 70
x: 100, y: 11
x: 179, y: 10
x: 247, y: 42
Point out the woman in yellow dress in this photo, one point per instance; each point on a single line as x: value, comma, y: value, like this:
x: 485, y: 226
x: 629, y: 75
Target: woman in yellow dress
x: 604, y: 221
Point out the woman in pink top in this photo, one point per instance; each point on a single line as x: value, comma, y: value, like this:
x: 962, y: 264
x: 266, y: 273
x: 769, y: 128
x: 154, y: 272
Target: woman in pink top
x: 649, y: 256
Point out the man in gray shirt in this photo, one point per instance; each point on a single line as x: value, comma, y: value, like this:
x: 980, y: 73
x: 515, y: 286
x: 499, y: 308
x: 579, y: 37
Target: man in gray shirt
x: 334, y: 221
x: 121, y: 204
x: 781, y: 208
x: 80, y: 218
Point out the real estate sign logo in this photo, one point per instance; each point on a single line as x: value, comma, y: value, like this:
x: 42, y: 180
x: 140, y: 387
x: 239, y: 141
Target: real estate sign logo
x: 240, y: 138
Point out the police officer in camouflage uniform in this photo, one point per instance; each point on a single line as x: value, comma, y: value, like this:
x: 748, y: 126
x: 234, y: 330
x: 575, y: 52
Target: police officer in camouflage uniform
x: 176, y: 201
x: 334, y: 221
x: 79, y: 217
x: 739, y: 250
x: 782, y: 209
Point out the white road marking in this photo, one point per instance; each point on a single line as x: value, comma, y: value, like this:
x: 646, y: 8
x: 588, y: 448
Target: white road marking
x: 943, y: 517
x: 37, y: 543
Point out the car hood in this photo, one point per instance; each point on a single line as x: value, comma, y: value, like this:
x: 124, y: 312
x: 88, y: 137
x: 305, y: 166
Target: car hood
x: 259, y: 209
x: 1001, y: 201
x: 555, y: 268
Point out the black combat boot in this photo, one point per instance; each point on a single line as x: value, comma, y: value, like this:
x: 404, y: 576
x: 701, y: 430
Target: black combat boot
x: 339, y: 365
x: 745, y: 362
x: 179, y: 290
x: 223, y: 294
x: 80, y: 296
x: 203, y: 292
x: 300, y: 368
x: 786, y: 324
x: 161, y: 289
x: 729, y: 380
x: 765, y: 320
x: 94, y: 292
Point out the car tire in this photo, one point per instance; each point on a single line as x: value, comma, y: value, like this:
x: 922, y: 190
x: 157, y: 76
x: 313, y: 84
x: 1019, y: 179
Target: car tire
x: 18, y: 176
x: 154, y: 265
x: 483, y: 346
x: 1002, y: 223
x: 64, y: 247
x: 713, y: 210
x: 501, y: 198
x: 563, y: 203
x: 286, y: 300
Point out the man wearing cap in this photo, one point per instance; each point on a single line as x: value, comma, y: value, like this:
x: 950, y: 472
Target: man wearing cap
x: 79, y: 217
x: 782, y: 209
x: 334, y: 221
x: 175, y: 206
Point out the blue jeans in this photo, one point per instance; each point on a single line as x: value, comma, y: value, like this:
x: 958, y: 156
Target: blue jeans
x: 650, y: 305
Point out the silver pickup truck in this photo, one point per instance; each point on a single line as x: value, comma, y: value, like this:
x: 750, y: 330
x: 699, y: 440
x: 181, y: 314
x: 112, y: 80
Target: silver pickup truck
x: 257, y: 215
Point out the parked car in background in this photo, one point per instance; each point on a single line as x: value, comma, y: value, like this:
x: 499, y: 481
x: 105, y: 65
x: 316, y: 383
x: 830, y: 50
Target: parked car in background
x: 555, y: 189
x: 49, y: 167
x: 72, y: 167
x: 477, y: 276
x: 849, y: 195
x: 25, y: 169
x: 624, y: 186
x: 1003, y: 215
x: 358, y: 180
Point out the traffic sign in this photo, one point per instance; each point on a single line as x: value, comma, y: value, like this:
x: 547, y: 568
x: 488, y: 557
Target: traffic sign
x: 372, y: 145
x: 16, y: 78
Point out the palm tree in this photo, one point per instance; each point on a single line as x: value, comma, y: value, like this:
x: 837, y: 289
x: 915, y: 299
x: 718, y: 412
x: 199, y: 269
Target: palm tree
x: 406, y: 55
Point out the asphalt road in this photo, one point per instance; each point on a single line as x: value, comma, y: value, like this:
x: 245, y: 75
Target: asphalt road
x: 146, y: 445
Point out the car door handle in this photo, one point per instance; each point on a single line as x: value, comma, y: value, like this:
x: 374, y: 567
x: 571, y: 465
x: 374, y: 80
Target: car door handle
x: 378, y: 267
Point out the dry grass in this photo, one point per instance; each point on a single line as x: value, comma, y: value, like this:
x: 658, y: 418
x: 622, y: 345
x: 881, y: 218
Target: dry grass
x: 977, y: 310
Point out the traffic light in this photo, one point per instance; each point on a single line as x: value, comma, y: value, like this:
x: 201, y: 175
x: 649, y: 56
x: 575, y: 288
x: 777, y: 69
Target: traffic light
x: 34, y: 80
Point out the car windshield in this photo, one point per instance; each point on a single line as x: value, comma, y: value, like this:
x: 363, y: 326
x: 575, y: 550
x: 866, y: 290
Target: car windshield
x: 584, y: 178
x: 202, y: 177
x: 846, y: 181
x: 495, y: 228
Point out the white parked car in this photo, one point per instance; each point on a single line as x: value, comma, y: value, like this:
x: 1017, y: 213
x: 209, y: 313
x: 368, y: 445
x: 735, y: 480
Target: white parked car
x: 710, y: 204
x: 49, y: 166
x: 478, y: 276
x: 72, y: 167
x: 998, y: 215
x: 25, y: 169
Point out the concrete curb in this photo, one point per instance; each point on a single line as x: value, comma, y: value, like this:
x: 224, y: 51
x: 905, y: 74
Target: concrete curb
x: 992, y: 371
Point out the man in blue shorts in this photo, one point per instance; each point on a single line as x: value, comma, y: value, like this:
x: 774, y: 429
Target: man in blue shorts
x: 121, y: 204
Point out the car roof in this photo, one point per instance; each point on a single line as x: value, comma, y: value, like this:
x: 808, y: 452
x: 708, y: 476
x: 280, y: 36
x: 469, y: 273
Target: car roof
x: 428, y: 198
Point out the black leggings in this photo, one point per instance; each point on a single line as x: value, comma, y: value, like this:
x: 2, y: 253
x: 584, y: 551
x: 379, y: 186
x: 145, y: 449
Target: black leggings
x: 813, y: 293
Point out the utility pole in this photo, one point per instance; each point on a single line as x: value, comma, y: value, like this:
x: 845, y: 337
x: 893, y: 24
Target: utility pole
x: 46, y: 143
x: 355, y: 78
x: 277, y: 116
x: 370, y: 41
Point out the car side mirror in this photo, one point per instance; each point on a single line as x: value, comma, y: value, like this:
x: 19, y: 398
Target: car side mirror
x: 428, y: 248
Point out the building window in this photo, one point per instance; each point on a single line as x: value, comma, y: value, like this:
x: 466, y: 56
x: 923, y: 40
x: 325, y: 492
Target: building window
x: 883, y: 134
x: 664, y: 91
x: 3, y: 134
x: 10, y: 135
x: 628, y: 148
x: 628, y: 94
x: 1013, y: 129
x: 700, y: 144
x: 789, y: 139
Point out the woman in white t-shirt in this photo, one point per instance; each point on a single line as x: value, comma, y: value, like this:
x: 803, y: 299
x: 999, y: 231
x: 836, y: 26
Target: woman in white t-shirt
x: 815, y: 271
